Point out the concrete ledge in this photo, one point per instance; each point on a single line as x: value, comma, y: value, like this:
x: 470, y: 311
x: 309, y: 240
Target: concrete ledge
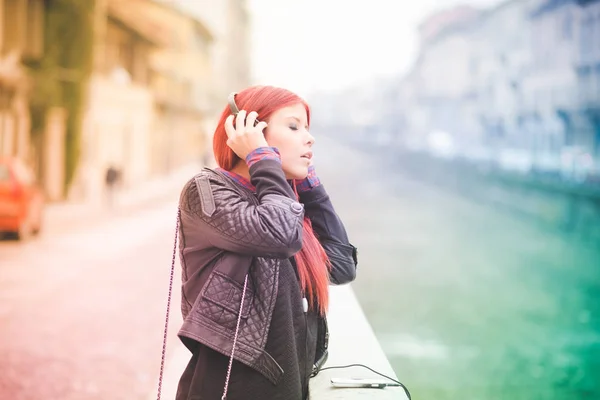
x: 352, y: 341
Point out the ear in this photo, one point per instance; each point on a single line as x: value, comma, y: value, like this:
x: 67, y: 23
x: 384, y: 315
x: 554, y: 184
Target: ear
x: 267, y: 134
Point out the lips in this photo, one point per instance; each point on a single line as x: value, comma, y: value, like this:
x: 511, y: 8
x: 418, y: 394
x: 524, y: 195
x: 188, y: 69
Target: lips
x: 307, y: 155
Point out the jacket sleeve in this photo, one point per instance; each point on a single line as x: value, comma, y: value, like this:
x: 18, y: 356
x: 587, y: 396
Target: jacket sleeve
x: 273, y: 228
x: 330, y: 231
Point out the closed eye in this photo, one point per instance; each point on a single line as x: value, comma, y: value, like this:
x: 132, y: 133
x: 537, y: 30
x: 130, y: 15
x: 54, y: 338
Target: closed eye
x: 294, y: 127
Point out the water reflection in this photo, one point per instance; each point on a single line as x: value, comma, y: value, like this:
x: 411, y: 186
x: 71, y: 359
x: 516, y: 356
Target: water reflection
x: 479, y: 303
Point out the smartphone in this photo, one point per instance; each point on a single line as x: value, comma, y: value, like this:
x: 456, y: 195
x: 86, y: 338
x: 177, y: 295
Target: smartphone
x: 361, y: 383
x: 234, y: 108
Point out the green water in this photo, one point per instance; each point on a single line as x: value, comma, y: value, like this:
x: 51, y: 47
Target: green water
x: 472, y: 303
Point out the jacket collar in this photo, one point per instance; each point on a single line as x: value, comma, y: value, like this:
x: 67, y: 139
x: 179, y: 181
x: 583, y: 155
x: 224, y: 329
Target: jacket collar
x: 238, y: 179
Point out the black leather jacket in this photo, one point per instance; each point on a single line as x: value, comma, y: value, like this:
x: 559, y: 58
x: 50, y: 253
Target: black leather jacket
x: 228, y: 231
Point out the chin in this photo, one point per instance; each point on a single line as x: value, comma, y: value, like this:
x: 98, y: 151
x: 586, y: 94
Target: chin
x: 296, y: 172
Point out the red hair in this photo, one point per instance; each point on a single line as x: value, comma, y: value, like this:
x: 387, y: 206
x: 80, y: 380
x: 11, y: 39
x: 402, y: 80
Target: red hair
x: 312, y: 261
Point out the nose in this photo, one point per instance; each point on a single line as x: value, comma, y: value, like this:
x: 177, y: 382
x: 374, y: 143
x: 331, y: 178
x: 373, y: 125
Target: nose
x: 311, y: 138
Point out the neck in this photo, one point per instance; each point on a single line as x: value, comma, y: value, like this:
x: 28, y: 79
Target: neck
x: 241, y: 169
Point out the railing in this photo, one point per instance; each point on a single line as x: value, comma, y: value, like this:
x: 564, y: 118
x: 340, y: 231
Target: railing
x: 352, y: 341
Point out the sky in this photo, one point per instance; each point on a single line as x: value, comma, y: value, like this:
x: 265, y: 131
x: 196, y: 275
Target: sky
x: 324, y: 45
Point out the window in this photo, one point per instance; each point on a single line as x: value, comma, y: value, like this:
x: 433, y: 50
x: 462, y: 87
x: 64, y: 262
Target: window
x: 13, y: 25
x: 586, y: 42
x: 596, y: 91
x: 596, y: 44
x: 34, y: 41
x: 585, y: 83
x: 23, y: 173
x: 125, y: 53
x: 200, y: 44
x: 22, y: 27
x: 567, y: 27
x: 503, y: 60
x: 4, y: 173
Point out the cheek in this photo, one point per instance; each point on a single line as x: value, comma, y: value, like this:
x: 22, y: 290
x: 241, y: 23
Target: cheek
x: 273, y: 137
x: 283, y: 141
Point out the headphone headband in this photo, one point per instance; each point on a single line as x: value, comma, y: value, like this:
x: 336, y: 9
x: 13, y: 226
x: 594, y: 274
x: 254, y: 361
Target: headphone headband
x: 232, y: 106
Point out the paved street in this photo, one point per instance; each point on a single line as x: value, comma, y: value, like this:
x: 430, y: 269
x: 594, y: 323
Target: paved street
x: 82, y: 313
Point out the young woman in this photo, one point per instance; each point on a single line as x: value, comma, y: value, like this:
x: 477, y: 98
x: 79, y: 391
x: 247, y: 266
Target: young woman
x: 260, y: 243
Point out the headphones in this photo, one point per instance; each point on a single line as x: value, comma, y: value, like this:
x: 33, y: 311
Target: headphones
x: 234, y: 108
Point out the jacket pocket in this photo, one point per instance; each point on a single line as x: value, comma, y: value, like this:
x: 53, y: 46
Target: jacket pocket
x: 221, y: 298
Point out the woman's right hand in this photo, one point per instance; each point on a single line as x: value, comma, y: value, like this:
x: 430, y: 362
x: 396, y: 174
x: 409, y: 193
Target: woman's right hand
x: 244, y: 138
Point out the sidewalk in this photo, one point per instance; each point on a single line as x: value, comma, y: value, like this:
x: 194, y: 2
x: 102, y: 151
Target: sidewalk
x: 67, y: 216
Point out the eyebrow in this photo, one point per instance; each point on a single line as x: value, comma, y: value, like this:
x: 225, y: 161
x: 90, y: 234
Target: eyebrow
x: 293, y: 117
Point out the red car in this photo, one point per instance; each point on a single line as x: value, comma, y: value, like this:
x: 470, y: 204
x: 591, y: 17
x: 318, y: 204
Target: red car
x: 21, y: 199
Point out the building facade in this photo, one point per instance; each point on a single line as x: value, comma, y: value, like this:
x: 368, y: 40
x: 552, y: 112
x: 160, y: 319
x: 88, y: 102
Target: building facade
x: 550, y: 87
x: 527, y: 95
x: 182, y: 85
x: 561, y: 88
x: 500, y: 62
x: 437, y: 94
x: 148, y: 96
x: 21, y: 41
x: 229, y: 22
x: 119, y: 105
x: 588, y: 69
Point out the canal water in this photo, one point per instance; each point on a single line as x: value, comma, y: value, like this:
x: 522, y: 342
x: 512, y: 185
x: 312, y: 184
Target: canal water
x: 468, y: 301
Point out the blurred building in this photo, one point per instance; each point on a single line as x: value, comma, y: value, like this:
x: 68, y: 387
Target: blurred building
x: 21, y: 42
x: 120, y: 110
x: 230, y: 24
x: 229, y: 21
x: 148, y: 94
x: 500, y: 64
x: 181, y: 82
x: 588, y: 67
x: 161, y: 72
x: 438, y: 92
x: 551, y: 86
x: 432, y: 26
x: 517, y: 84
x: 564, y: 83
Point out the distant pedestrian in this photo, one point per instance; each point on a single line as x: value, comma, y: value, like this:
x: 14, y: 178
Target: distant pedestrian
x: 111, y: 180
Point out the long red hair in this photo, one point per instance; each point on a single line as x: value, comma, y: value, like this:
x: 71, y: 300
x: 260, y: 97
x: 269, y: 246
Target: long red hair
x: 312, y: 261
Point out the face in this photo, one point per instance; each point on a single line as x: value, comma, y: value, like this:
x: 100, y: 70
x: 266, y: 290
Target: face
x: 288, y: 132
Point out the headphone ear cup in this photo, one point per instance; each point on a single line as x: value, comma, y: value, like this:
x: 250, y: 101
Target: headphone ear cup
x: 232, y: 105
x: 234, y: 108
